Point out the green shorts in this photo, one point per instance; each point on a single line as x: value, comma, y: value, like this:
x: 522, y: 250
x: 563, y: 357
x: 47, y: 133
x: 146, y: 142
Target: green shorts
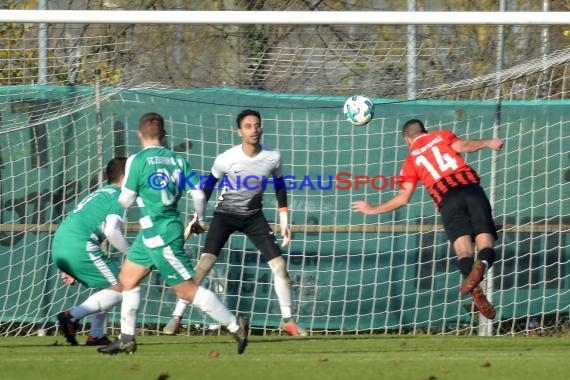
x: 171, y: 260
x: 82, y: 260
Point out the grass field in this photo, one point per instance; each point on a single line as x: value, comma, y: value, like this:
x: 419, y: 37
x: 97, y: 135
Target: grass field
x: 275, y: 357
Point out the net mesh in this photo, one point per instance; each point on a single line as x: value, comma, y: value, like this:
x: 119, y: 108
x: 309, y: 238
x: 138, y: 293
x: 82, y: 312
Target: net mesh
x: 394, y: 273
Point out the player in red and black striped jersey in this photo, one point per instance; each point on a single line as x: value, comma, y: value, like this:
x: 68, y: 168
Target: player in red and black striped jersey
x: 435, y: 159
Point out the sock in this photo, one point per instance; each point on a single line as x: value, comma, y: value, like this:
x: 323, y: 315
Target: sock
x: 180, y: 308
x: 102, y: 300
x: 129, y: 310
x: 282, y: 284
x: 210, y: 304
x: 283, y: 291
x: 98, y: 327
x: 464, y: 265
x: 488, y: 256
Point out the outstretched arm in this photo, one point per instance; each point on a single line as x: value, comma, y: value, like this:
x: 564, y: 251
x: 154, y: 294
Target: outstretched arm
x: 401, y: 199
x: 469, y: 146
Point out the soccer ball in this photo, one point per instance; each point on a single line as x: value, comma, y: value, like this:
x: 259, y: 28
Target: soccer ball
x: 358, y: 110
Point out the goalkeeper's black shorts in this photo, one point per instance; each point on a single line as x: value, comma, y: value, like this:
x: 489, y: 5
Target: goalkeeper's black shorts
x: 255, y: 227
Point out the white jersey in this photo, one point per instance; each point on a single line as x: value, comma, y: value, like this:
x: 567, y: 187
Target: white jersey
x: 243, y: 179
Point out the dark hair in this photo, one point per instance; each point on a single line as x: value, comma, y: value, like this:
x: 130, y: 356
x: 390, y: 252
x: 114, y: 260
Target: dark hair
x: 413, y: 128
x: 151, y: 125
x: 245, y: 113
x: 115, y: 169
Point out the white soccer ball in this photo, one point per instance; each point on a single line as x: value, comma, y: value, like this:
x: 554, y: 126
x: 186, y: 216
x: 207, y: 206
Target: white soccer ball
x: 358, y: 110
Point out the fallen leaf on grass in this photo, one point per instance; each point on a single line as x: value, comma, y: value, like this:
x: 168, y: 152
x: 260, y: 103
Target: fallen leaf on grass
x: 214, y: 354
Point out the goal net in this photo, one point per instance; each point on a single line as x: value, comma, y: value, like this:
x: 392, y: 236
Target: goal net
x: 67, y: 111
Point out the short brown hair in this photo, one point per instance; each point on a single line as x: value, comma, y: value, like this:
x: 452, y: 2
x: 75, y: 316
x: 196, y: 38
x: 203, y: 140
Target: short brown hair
x: 413, y: 127
x: 151, y: 126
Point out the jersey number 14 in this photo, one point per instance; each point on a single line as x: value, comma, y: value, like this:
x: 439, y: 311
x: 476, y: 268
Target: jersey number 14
x: 444, y: 162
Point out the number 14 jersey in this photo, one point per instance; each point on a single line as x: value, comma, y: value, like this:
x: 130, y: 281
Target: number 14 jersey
x: 440, y: 168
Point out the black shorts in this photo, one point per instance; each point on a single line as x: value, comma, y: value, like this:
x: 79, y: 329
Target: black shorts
x: 255, y: 227
x: 465, y: 210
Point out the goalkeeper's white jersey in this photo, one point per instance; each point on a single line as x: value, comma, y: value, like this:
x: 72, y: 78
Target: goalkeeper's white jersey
x: 243, y: 179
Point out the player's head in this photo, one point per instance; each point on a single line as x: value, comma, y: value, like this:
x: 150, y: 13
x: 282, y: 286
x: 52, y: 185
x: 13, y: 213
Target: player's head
x: 151, y: 127
x: 245, y: 113
x: 411, y: 129
x: 249, y: 126
x: 116, y: 170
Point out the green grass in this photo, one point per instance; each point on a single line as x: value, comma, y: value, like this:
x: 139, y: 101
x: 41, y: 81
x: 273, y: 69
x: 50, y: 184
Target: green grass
x: 274, y: 357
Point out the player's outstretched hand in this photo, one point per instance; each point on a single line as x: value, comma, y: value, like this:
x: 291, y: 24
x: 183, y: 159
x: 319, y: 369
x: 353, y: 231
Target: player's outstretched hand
x: 363, y: 207
x: 495, y: 144
x: 67, y: 279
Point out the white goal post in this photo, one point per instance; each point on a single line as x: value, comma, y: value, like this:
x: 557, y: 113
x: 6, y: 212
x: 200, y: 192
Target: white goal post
x: 285, y: 17
x: 392, y: 274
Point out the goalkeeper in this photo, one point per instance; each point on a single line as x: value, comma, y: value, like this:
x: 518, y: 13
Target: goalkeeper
x: 76, y: 251
x: 239, y: 208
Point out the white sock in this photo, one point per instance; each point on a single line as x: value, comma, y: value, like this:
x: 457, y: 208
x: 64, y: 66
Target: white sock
x: 98, y: 326
x: 210, y: 304
x: 129, y: 310
x: 282, y: 285
x: 102, y: 300
x: 283, y: 290
x: 180, y: 308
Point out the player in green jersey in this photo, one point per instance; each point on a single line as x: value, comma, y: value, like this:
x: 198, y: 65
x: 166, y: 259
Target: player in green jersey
x: 154, y: 179
x: 76, y: 251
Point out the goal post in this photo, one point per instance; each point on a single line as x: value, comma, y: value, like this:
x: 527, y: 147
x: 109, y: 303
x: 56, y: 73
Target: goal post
x: 285, y: 17
x: 351, y: 274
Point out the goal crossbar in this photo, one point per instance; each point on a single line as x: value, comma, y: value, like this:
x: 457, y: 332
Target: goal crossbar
x: 284, y: 17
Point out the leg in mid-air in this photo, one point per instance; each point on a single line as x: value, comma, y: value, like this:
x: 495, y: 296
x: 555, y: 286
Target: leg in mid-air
x: 485, y: 260
x: 472, y: 272
x: 466, y: 214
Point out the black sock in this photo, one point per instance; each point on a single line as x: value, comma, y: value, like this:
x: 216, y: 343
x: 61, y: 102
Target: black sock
x: 464, y: 265
x: 488, y: 255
